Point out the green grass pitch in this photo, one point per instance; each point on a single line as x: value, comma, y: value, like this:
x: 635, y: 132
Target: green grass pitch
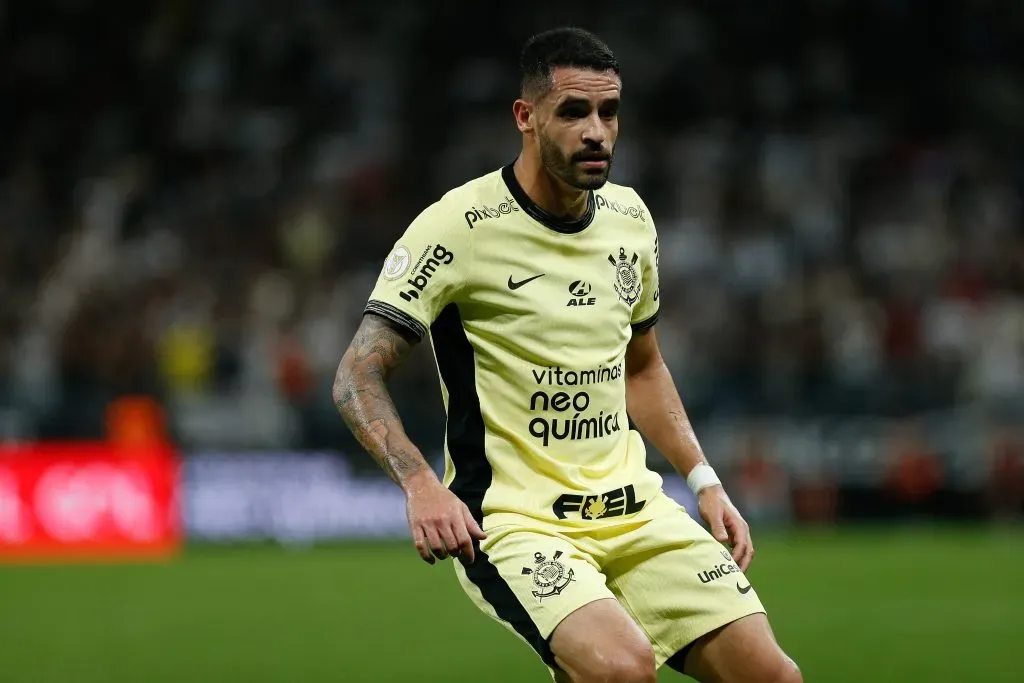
x: 854, y: 606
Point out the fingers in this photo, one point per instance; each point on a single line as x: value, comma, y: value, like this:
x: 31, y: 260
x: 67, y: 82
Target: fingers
x: 748, y: 555
x: 742, y: 544
x: 716, y: 518
x: 420, y: 540
x: 472, y: 532
x: 434, y: 542
x: 474, y: 529
x: 448, y: 536
x: 465, y: 543
x: 443, y: 526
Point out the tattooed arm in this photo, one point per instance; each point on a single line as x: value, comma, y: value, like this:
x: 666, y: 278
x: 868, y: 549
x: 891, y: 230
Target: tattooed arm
x: 441, y: 524
x: 362, y: 398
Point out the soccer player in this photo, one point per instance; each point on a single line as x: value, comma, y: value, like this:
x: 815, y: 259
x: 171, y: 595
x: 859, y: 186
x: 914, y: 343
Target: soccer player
x: 537, y: 285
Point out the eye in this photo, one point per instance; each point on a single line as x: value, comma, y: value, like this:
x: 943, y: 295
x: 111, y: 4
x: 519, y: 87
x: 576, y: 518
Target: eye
x: 573, y: 112
x: 609, y: 111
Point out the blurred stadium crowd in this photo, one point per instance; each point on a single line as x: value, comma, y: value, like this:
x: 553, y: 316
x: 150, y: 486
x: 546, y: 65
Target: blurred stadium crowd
x: 196, y: 197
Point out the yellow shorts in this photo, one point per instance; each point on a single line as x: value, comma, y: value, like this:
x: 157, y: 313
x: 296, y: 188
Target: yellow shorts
x: 669, y: 574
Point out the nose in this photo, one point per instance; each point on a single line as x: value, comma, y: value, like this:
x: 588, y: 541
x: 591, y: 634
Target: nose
x: 595, y: 132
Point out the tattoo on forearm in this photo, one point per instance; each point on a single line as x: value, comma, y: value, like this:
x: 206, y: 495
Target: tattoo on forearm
x: 361, y: 396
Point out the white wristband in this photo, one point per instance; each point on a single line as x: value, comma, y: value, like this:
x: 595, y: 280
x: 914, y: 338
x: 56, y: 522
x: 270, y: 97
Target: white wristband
x: 701, y: 477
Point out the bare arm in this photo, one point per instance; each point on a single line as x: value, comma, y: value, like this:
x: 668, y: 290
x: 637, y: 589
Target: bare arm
x: 653, y: 403
x: 361, y: 396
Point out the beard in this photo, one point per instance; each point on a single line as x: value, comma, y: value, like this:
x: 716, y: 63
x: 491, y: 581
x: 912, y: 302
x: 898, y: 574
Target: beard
x: 565, y: 168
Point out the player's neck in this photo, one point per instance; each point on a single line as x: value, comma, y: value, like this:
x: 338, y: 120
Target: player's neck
x: 548, y: 192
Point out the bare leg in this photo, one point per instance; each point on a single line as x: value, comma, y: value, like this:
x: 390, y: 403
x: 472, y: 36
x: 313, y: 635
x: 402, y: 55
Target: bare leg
x: 744, y: 651
x: 600, y: 643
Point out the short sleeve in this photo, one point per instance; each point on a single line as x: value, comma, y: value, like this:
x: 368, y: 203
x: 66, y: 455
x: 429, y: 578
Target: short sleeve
x: 423, y: 273
x: 645, y: 313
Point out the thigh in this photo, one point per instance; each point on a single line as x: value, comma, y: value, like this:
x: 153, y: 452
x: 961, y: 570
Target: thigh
x: 530, y: 581
x: 601, y: 642
x: 677, y: 582
x: 744, y: 650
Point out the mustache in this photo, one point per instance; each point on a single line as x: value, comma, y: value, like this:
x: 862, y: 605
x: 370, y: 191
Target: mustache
x: 591, y: 155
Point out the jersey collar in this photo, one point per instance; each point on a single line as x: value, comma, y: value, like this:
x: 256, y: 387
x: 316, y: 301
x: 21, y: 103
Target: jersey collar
x: 545, y: 218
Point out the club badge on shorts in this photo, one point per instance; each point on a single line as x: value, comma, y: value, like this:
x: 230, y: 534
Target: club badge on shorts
x: 550, y: 576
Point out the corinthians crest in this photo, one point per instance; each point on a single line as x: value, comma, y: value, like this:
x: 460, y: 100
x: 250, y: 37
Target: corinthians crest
x: 627, y: 277
x: 549, y: 576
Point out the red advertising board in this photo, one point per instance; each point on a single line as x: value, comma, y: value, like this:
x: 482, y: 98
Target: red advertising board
x: 88, y: 500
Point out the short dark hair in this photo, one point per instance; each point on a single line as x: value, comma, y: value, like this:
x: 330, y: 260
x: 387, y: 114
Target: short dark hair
x: 569, y: 46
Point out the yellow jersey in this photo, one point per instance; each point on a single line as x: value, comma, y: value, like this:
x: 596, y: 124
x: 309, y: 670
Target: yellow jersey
x: 529, y: 317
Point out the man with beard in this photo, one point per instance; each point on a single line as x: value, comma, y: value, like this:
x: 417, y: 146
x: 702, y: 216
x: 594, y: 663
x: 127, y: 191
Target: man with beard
x: 538, y: 287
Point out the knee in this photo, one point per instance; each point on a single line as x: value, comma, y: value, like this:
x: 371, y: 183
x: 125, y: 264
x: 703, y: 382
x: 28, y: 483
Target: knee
x: 774, y: 670
x: 788, y: 672
x: 633, y: 669
x: 635, y: 665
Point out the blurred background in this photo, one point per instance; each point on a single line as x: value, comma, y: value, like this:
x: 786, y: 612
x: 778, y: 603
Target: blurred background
x: 196, y: 198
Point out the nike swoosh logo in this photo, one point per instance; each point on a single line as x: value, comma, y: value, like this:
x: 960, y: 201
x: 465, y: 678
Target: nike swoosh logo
x: 516, y: 285
x: 744, y: 589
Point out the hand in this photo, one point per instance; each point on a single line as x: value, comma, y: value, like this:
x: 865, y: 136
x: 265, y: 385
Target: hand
x: 441, y: 524
x: 727, y: 525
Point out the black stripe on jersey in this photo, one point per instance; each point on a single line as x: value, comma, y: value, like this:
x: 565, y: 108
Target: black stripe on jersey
x: 545, y: 218
x: 464, y: 431
x: 397, y: 316
x: 465, y: 437
x: 647, y: 324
